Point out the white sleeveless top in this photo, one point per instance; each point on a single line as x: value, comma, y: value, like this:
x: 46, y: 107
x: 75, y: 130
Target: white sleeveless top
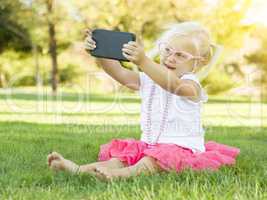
x: 183, y: 123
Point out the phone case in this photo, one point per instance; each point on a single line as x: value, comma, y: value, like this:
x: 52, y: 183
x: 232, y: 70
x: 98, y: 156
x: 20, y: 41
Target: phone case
x: 109, y: 43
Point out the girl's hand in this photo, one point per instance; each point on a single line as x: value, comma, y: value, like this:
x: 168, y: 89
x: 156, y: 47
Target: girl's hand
x: 89, y: 43
x: 134, y: 52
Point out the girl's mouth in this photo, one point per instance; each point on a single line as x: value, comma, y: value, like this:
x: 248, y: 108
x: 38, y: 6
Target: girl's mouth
x: 169, y: 67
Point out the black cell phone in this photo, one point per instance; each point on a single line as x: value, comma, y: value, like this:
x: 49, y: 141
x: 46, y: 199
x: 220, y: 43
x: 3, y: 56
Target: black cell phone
x: 109, y: 43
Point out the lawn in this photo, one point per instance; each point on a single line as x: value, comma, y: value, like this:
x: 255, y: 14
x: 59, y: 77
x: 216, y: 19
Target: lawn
x: 32, y: 126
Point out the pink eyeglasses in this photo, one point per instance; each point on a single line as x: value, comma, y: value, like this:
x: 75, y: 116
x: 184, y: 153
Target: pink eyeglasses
x: 180, y: 56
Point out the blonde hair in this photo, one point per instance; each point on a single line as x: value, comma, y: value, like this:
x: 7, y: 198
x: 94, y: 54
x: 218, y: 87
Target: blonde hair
x: 187, y: 28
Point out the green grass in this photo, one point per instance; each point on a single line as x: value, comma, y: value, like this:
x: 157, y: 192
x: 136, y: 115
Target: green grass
x: 29, y: 132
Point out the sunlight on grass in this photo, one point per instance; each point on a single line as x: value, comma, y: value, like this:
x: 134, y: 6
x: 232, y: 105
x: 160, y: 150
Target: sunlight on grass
x: 99, y: 109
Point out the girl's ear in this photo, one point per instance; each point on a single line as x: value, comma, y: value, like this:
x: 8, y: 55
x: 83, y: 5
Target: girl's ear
x: 200, y: 64
x: 205, y: 60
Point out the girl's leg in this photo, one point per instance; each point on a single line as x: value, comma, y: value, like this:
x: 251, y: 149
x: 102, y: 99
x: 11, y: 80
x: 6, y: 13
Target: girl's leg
x: 147, y: 165
x: 114, y: 163
x: 58, y: 163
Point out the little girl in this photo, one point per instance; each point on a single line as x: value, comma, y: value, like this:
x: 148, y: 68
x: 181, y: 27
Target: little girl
x: 172, y: 134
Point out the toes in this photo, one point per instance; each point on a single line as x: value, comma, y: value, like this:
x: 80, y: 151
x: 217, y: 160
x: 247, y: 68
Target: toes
x: 53, y: 156
x: 56, y: 165
x: 49, y: 159
x: 56, y: 155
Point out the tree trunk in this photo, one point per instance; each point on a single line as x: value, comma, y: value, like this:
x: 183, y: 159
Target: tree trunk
x: 37, y: 68
x: 1, y: 81
x: 52, y: 46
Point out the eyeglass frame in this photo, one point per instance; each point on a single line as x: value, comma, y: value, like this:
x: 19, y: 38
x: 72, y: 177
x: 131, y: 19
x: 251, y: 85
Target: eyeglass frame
x: 173, y: 51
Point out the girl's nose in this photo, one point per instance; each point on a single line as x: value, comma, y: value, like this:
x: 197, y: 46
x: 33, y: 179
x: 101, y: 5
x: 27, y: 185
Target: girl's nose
x: 171, y: 58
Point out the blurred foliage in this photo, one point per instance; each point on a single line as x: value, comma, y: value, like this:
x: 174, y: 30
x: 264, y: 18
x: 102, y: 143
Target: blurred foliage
x: 259, y: 57
x: 13, y: 34
x: 218, y: 81
x: 145, y: 18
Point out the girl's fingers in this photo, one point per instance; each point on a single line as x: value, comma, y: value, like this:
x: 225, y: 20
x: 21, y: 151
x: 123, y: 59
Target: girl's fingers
x: 89, y: 39
x: 128, y: 51
x: 129, y: 46
x: 92, y: 46
x: 90, y: 42
x: 89, y: 46
x: 133, y: 43
x: 131, y: 58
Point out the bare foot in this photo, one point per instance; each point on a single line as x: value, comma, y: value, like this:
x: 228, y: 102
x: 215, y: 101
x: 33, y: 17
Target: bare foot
x: 57, y: 162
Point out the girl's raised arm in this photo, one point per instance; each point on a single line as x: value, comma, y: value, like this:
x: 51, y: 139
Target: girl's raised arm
x: 124, y: 76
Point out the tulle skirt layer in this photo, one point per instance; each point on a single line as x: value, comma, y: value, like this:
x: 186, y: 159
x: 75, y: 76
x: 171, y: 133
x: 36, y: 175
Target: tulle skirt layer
x: 170, y: 156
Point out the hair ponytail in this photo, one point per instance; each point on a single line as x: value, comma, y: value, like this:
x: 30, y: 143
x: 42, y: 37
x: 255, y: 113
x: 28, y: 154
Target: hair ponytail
x: 216, y: 51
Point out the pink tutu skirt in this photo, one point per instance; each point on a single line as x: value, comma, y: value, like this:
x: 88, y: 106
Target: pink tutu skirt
x: 170, y: 156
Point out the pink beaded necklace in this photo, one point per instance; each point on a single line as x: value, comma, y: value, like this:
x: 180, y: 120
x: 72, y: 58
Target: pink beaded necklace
x: 148, y: 119
x: 164, y: 116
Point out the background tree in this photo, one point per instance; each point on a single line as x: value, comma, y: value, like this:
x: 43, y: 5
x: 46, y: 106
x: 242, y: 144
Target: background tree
x: 259, y: 58
x: 13, y: 35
